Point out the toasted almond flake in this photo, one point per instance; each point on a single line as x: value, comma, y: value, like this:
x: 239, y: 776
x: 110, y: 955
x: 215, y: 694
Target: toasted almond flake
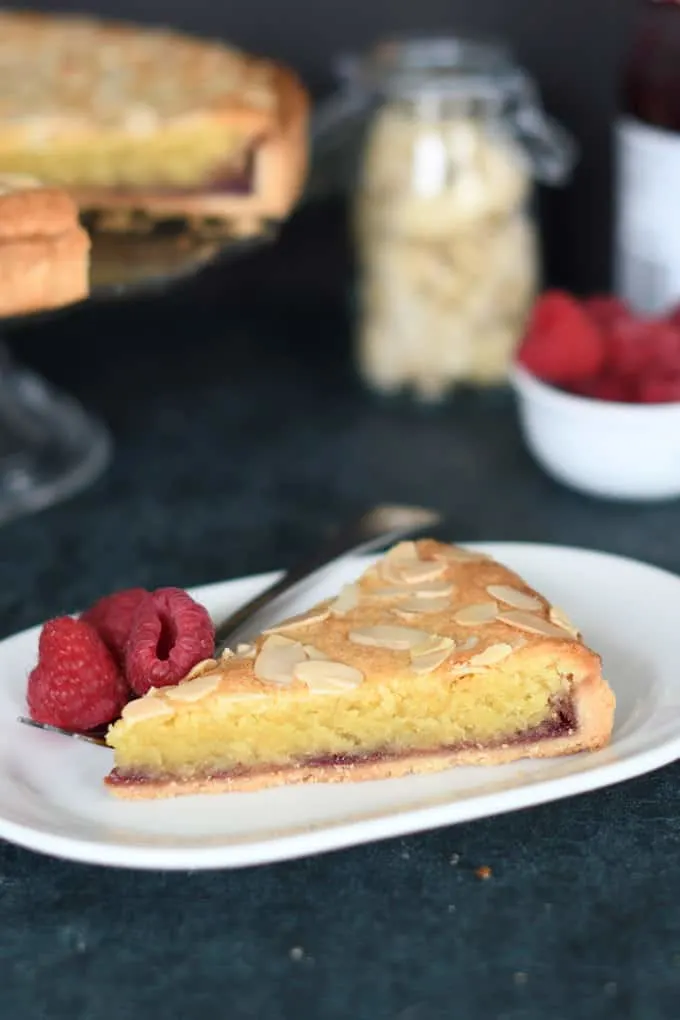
x: 314, y: 653
x: 347, y: 600
x: 194, y: 690
x: 414, y: 573
x: 316, y: 615
x: 482, y: 612
x: 434, y: 589
x: 492, y: 655
x: 246, y: 651
x: 533, y: 624
x: 426, y: 590
x: 146, y: 708
x: 393, y: 591
x: 415, y: 607
x: 457, y: 554
x: 428, y: 661
x: 227, y: 653
x: 402, y: 551
x: 513, y: 597
x: 560, y: 619
x: 201, y: 667
x: 327, y: 677
x: 468, y: 644
x: 433, y: 643
x: 396, y: 638
x: 277, y: 659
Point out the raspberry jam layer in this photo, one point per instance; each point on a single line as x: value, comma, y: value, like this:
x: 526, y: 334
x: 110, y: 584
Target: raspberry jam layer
x: 561, y: 723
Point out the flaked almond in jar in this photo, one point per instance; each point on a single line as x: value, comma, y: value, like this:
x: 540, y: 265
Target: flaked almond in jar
x: 447, y: 243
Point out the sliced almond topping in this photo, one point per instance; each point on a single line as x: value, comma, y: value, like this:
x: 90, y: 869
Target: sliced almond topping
x: 314, y: 653
x: 146, y: 708
x: 492, y: 655
x: 201, y: 667
x: 428, y: 661
x: 483, y: 612
x: 194, y: 690
x: 434, y: 589
x: 246, y: 651
x: 277, y: 659
x: 414, y: 573
x: 468, y: 644
x: 228, y: 653
x: 560, y: 619
x: 416, y: 606
x: 513, y: 597
x: 533, y: 624
x: 316, y: 615
x: 433, y: 643
x: 327, y: 677
x: 402, y: 551
x: 459, y: 555
x: 347, y: 600
x: 394, y: 591
x: 396, y: 638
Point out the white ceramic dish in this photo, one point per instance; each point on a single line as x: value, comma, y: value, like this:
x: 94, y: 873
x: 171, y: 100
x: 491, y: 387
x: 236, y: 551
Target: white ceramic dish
x: 603, y: 448
x: 52, y: 798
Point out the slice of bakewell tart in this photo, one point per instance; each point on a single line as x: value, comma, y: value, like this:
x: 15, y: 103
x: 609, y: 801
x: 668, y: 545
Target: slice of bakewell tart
x: 436, y: 656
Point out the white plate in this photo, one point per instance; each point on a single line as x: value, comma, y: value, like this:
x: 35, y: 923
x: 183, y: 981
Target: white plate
x: 52, y: 798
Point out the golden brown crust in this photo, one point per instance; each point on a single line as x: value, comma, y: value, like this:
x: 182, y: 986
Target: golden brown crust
x: 44, y: 252
x: 31, y: 211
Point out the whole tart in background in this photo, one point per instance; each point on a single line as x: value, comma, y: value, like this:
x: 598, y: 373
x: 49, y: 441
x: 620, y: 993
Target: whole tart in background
x: 148, y: 124
x: 44, y: 251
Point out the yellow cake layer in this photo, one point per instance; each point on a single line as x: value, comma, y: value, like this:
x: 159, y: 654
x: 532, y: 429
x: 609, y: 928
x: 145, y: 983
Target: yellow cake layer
x: 182, y: 154
x: 414, y: 713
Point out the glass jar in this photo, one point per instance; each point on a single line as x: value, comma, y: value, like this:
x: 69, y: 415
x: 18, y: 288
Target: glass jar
x: 647, y: 246
x: 443, y: 217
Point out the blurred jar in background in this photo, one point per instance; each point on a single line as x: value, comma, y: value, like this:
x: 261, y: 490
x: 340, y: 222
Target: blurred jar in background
x: 447, y: 242
x: 647, y: 248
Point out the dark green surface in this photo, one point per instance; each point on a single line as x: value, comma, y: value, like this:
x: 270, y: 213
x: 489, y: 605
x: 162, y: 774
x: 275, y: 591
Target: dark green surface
x: 240, y: 441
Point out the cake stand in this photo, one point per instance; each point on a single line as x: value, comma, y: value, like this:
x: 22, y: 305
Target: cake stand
x: 50, y: 447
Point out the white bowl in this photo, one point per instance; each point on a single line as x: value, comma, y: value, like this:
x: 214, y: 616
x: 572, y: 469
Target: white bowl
x: 619, y: 451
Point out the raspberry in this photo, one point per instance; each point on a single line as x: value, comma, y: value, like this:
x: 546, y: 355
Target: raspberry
x: 562, y: 343
x: 170, y: 634
x: 606, y: 387
x: 77, y: 683
x: 112, y: 618
x: 605, y: 311
x: 660, y: 389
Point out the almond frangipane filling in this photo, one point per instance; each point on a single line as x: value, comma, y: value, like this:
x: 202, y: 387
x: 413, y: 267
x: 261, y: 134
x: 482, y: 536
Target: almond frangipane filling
x: 350, y: 677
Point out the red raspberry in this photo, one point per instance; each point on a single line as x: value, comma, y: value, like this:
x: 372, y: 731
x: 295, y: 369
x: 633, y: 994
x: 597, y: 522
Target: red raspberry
x: 606, y: 311
x: 660, y: 389
x: 562, y: 344
x: 77, y: 683
x: 606, y: 387
x: 112, y: 618
x: 170, y: 634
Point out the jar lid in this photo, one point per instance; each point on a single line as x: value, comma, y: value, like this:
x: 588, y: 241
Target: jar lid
x: 445, y: 66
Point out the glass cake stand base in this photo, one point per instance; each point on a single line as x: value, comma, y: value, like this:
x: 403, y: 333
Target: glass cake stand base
x: 50, y: 448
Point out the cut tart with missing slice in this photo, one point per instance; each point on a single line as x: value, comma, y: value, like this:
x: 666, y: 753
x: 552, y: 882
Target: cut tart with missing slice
x: 436, y: 656
x: 147, y: 124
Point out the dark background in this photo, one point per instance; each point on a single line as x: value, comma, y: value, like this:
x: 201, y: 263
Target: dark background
x: 573, y: 47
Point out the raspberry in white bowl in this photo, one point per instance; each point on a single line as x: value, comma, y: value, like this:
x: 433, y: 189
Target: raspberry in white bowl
x: 598, y: 392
